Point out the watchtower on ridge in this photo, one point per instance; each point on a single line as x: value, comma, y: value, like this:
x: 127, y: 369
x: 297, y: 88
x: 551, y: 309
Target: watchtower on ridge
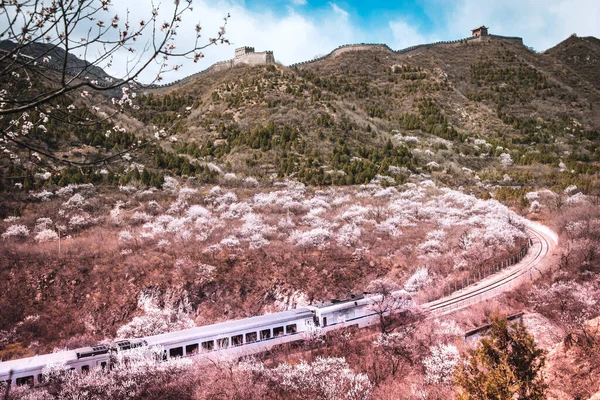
x: 242, y: 51
x: 247, y: 55
x: 481, y: 31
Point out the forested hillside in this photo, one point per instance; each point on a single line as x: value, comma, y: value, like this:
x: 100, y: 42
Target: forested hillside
x: 461, y: 113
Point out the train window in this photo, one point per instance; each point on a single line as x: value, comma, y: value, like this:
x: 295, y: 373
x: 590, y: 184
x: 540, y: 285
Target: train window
x: 223, y: 343
x: 85, y: 369
x: 103, y: 364
x: 191, y: 349
x: 291, y: 329
x: 278, y: 331
x: 176, y: 352
x: 41, y: 378
x: 208, y: 346
x: 265, y: 334
x: 237, y: 340
x: 324, y: 321
x: 250, y: 337
x: 123, y: 344
x: 26, y: 380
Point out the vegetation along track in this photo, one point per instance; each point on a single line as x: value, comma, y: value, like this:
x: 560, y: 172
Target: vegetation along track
x: 543, y: 241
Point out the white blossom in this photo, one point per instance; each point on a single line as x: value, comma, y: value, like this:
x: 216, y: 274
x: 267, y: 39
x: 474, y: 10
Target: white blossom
x: 79, y: 221
x: 76, y: 202
x: 348, y: 235
x: 417, y: 280
x: 155, y: 320
x: 440, y: 365
x: 170, y: 184
x: 46, y: 235
x: 125, y: 236
x: 505, y: 159
x: 317, y: 237
x: 230, y: 241
x: 325, y: 378
x: 535, y: 207
x: 44, y: 195
x: 16, y: 231
x: 570, y: 190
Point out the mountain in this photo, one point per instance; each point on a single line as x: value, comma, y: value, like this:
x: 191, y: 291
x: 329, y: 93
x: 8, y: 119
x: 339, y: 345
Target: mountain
x: 581, y: 55
x: 460, y: 105
x: 56, y: 56
x: 479, y: 113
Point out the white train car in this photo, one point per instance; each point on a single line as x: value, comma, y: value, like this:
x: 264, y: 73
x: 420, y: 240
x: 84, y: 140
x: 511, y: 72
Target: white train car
x: 28, y: 371
x: 353, y: 312
x: 359, y: 311
x: 238, y: 337
x: 234, y: 338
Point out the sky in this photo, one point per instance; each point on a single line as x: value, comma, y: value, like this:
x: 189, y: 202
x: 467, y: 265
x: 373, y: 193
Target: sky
x: 299, y: 30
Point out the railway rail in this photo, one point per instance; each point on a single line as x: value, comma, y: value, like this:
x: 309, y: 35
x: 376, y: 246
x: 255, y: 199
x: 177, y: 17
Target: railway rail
x: 543, y: 242
x: 261, y: 333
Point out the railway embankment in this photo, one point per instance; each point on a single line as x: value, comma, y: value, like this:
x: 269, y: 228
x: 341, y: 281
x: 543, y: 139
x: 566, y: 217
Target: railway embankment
x: 543, y: 244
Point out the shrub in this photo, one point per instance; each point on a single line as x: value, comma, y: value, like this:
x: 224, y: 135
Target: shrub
x: 16, y: 231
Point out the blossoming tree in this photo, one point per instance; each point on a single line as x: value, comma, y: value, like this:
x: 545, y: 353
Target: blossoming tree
x: 38, y: 71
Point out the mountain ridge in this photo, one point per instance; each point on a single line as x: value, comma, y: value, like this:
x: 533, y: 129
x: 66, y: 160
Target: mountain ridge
x: 479, y: 113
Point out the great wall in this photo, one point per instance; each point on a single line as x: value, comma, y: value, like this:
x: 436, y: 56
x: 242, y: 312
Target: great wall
x: 369, y: 46
x: 243, y: 55
x: 246, y: 55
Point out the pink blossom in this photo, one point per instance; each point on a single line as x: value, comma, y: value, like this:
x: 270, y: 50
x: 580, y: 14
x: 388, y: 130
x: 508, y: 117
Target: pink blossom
x: 46, y: 235
x: 440, y: 365
x: 16, y: 231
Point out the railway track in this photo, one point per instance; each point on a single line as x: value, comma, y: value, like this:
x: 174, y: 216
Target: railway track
x: 261, y: 333
x: 544, y: 242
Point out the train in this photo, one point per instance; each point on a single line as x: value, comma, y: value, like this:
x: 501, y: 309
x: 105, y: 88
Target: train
x: 234, y: 338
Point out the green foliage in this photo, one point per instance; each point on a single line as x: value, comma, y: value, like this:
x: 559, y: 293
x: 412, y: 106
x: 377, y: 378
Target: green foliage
x: 430, y: 119
x: 375, y: 111
x: 325, y: 120
x: 164, y: 111
x: 506, y: 364
x: 356, y: 86
x: 263, y: 138
x: 179, y: 165
x: 508, y: 85
x: 348, y: 168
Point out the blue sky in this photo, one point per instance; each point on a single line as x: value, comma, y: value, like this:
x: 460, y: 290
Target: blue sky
x: 369, y: 15
x: 299, y: 30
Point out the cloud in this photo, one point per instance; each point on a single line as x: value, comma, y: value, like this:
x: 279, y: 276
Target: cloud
x: 298, y: 34
x: 338, y: 10
x: 292, y: 36
x: 541, y: 25
x: 404, y: 35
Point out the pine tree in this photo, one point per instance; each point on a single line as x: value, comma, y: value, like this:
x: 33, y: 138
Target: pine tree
x: 505, y: 365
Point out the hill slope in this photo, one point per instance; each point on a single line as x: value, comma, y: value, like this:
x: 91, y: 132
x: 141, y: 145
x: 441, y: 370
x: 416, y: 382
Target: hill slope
x: 460, y: 105
x: 581, y: 55
x: 468, y: 113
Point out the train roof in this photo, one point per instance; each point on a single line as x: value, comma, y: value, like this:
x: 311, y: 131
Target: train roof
x: 215, y: 330
x: 35, y: 362
x: 353, y: 298
x: 226, y: 328
x: 356, y: 300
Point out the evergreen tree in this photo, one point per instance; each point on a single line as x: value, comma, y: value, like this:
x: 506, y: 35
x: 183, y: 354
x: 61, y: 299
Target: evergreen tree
x: 505, y: 365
